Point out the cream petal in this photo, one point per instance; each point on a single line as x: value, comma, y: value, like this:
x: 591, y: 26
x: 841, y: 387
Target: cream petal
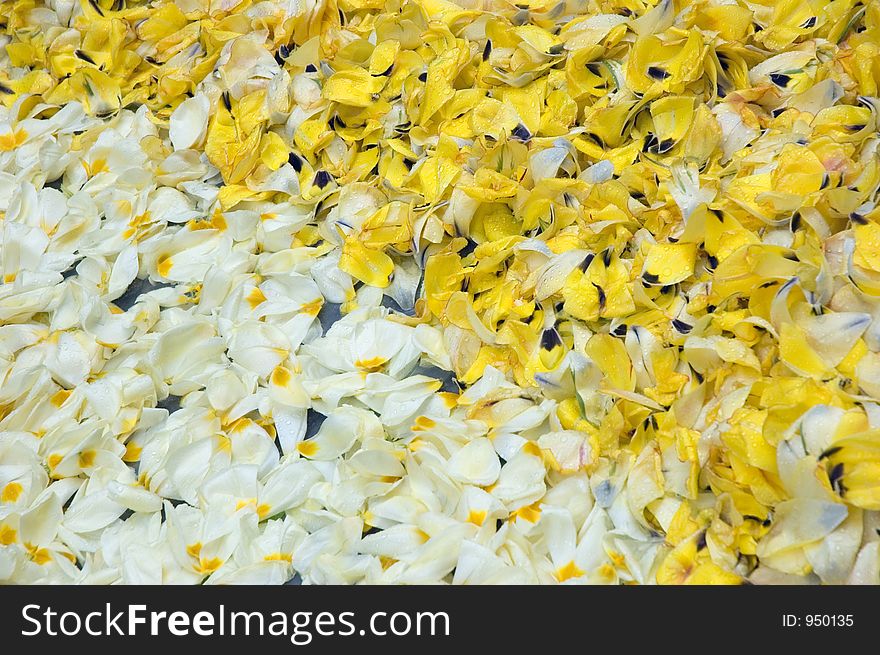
x: 189, y: 122
x: 476, y: 463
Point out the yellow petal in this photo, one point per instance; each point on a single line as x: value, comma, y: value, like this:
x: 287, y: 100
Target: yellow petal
x: 668, y: 263
x: 368, y: 265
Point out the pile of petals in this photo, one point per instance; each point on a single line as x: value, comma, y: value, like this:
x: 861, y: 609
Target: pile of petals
x: 418, y: 291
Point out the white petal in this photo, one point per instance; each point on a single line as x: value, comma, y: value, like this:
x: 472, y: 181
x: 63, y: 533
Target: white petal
x: 189, y: 122
x: 476, y: 463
